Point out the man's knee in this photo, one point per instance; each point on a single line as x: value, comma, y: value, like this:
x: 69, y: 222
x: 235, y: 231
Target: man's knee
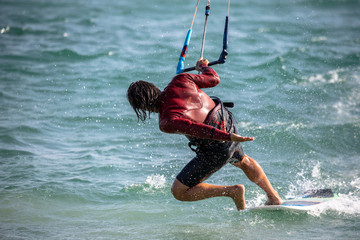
x: 178, y: 190
x: 244, y: 163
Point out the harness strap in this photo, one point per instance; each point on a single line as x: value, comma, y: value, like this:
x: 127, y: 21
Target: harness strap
x: 212, y: 120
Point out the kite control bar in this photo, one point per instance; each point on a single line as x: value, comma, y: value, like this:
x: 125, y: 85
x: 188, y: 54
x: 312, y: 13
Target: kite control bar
x: 224, y: 53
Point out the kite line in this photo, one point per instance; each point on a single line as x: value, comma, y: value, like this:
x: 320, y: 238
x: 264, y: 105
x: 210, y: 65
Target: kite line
x: 223, y: 54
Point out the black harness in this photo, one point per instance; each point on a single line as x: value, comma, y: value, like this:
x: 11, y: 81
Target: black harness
x: 219, y: 118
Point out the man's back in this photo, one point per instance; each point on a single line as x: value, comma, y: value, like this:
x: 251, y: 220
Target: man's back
x: 184, y: 106
x: 183, y: 97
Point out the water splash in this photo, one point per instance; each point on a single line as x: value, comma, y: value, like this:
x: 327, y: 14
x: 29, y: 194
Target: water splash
x: 153, y: 184
x: 347, y: 203
x: 156, y: 181
x: 315, y: 173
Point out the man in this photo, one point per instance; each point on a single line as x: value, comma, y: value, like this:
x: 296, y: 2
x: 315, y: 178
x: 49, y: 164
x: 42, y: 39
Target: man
x: 185, y: 109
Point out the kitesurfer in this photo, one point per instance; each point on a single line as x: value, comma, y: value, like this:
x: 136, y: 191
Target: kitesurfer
x: 185, y: 109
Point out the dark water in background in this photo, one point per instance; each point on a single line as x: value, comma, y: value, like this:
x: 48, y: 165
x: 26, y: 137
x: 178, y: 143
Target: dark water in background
x: 75, y: 163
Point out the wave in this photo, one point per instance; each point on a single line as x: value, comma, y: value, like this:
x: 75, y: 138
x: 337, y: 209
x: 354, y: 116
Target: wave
x: 21, y: 31
x: 25, y: 129
x: 11, y: 140
x: 12, y: 144
x: 332, y: 3
x: 61, y: 55
x: 9, y: 153
x: 69, y: 55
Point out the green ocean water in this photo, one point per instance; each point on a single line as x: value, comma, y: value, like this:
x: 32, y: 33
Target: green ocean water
x: 76, y: 164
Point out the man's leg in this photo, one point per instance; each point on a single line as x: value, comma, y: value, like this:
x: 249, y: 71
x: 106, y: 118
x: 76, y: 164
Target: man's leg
x: 256, y: 174
x: 203, y: 191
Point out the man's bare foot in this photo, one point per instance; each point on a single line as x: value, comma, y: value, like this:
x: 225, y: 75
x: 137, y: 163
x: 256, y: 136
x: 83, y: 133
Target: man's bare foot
x: 238, y: 195
x: 275, y: 200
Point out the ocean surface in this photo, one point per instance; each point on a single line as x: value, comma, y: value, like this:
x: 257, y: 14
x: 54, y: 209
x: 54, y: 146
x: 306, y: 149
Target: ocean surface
x: 76, y: 164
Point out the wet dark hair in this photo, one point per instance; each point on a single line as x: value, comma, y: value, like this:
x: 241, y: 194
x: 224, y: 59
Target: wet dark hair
x: 143, y: 96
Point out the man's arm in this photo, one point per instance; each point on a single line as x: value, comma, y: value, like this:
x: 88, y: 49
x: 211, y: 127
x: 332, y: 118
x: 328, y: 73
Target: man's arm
x: 208, y: 77
x: 199, y: 130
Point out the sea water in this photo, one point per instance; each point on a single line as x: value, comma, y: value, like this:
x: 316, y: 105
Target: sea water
x: 76, y: 164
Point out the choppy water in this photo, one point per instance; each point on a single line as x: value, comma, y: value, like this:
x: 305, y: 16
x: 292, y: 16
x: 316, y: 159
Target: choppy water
x: 75, y: 163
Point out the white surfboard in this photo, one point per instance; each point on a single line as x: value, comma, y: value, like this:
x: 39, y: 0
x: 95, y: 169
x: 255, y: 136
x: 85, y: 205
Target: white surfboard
x: 309, y: 201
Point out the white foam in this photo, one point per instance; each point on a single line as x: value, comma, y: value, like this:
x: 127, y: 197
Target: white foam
x: 295, y: 126
x: 329, y: 77
x: 345, y: 204
x: 156, y: 181
x: 319, y: 39
x: 315, y: 173
x: 258, y: 200
x: 347, y: 104
x: 5, y: 30
x: 355, y: 183
x: 303, y: 183
x: 152, y: 184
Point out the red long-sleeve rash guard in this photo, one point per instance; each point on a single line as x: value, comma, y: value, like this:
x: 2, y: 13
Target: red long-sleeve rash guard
x: 183, y: 95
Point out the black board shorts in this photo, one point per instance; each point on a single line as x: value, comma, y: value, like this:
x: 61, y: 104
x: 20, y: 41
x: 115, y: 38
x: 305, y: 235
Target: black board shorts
x: 211, y: 155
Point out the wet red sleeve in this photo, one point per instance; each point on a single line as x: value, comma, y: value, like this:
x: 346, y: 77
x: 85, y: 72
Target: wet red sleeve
x: 198, y: 130
x: 208, y: 78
